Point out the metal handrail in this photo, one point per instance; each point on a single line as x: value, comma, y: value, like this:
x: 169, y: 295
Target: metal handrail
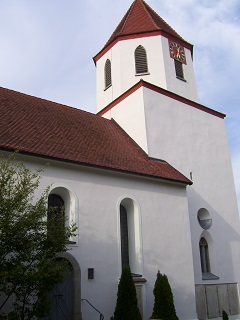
x: 101, y: 315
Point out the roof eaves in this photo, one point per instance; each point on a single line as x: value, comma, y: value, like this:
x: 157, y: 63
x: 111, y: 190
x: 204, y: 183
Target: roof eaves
x: 38, y: 155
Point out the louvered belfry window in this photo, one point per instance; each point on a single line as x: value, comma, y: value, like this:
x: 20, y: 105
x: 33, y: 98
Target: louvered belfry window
x: 141, y: 60
x: 179, y: 69
x: 108, y: 74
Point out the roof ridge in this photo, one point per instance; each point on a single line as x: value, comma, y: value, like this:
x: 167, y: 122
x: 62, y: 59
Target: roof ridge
x: 144, y: 4
x: 164, y: 21
x: 127, y: 16
x: 45, y: 100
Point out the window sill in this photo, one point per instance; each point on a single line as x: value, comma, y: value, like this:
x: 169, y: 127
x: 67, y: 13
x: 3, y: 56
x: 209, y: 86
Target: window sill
x: 70, y: 242
x: 142, y: 74
x: 209, y: 276
x: 107, y: 87
x: 181, y: 79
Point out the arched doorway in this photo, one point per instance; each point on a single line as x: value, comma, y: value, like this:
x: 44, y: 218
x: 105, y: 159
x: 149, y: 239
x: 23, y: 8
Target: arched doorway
x: 62, y: 298
x: 67, y: 294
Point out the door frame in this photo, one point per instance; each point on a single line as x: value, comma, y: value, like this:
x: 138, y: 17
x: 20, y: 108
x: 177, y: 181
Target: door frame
x: 77, y: 314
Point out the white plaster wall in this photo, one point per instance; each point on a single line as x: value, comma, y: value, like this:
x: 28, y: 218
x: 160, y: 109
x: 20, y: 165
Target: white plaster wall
x: 164, y: 224
x: 130, y: 115
x: 195, y: 141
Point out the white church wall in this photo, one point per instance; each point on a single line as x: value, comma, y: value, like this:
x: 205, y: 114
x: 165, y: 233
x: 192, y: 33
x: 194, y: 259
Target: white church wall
x: 130, y: 115
x: 164, y: 234
x: 195, y: 143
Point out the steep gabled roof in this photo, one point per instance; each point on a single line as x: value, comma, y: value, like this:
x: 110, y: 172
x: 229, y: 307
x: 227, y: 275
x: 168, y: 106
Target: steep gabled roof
x: 141, y: 19
x: 47, y: 129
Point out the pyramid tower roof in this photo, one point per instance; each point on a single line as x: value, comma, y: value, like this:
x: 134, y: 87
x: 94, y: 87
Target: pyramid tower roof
x: 141, y: 20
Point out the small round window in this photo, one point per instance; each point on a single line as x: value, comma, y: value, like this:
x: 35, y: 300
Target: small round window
x: 204, y: 218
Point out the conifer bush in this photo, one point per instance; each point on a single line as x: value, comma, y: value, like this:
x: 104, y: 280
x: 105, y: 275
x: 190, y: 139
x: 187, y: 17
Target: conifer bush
x: 163, y: 299
x: 158, y: 307
x: 126, y: 306
x: 224, y: 315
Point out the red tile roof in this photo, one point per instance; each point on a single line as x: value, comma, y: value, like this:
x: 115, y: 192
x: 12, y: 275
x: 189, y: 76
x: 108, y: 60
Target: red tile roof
x: 141, y: 19
x: 48, y: 129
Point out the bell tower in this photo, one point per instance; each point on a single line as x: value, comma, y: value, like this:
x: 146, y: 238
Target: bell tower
x: 146, y: 83
x: 144, y: 46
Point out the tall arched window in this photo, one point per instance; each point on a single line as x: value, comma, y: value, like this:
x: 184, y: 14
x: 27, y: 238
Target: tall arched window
x: 204, y: 255
x: 141, y: 60
x: 124, y: 235
x: 108, y: 74
x: 130, y: 237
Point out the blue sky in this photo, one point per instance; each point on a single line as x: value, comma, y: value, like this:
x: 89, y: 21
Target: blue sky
x: 47, y: 49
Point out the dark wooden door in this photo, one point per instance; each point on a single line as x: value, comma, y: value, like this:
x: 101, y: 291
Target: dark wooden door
x: 62, y: 297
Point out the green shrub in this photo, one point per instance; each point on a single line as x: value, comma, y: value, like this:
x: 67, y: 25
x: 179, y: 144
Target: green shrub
x: 126, y: 306
x: 163, y: 299
x: 158, y: 307
x: 224, y: 315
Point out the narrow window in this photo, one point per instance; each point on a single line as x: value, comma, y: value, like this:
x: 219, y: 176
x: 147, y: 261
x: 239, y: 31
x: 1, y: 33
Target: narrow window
x: 55, y: 212
x: 179, y: 69
x: 124, y: 235
x: 141, y: 60
x: 204, y: 255
x: 56, y: 203
x: 108, y: 74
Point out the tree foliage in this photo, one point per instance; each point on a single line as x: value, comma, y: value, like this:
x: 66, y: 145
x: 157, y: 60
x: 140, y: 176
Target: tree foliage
x: 29, y: 243
x: 163, y: 299
x: 126, y: 306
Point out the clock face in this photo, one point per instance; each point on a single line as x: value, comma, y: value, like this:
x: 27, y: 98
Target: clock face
x: 177, y: 52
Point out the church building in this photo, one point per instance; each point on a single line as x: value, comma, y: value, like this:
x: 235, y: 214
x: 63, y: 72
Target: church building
x: 147, y: 179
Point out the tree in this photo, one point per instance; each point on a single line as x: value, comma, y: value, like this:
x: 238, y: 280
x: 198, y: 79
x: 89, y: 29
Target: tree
x: 224, y: 315
x: 29, y: 243
x: 126, y: 306
x: 163, y: 299
x: 158, y: 292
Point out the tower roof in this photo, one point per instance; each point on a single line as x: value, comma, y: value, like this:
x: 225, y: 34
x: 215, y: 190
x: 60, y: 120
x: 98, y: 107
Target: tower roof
x: 141, y: 20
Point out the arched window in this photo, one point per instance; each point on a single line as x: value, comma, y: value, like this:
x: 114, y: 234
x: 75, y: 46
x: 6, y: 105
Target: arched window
x: 130, y: 237
x: 204, y: 255
x: 108, y: 74
x: 124, y: 235
x: 141, y: 60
